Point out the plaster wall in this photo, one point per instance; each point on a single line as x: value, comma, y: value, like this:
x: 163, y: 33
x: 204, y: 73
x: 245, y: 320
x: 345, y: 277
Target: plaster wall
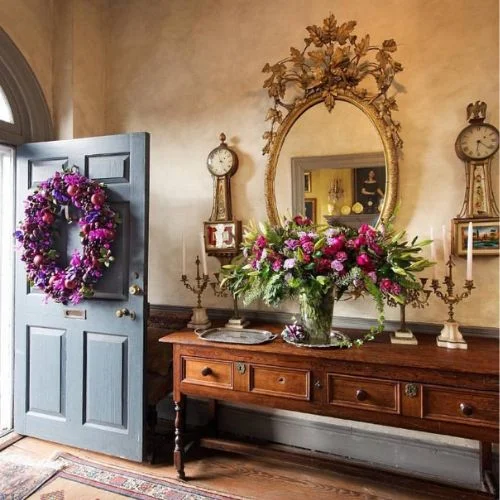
x: 185, y: 71
x: 29, y: 23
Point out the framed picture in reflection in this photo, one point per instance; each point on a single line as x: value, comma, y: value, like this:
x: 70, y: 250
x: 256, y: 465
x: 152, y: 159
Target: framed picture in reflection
x: 307, y: 182
x: 369, y: 188
x: 310, y: 209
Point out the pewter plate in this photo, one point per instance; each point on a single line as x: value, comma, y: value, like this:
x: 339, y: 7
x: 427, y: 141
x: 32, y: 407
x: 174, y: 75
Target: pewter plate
x: 336, y: 340
x: 236, y: 336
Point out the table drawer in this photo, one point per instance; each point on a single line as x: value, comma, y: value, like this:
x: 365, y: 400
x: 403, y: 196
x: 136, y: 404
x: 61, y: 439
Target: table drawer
x: 455, y: 405
x: 277, y: 381
x: 202, y: 371
x: 363, y: 393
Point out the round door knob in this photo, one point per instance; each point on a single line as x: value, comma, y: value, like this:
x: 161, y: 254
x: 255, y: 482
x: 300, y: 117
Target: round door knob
x: 466, y: 409
x: 135, y: 290
x: 206, y: 371
x: 122, y: 312
x: 361, y: 395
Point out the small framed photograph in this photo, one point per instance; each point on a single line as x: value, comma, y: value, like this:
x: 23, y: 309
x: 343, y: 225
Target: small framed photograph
x: 484, y: 236
x: 222, y: 236
x: 310, y: 209
x: 307, y: 182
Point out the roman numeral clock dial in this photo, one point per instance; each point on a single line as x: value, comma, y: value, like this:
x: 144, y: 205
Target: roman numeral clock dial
x: 222, y: 233
x: 476, y: 145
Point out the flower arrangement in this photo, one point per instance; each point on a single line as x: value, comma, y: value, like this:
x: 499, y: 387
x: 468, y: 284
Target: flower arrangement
x: 37, y: 235
x: 319, y: 263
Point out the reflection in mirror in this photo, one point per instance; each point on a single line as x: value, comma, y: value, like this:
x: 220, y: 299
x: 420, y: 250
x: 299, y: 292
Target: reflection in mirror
x: 335, y: 163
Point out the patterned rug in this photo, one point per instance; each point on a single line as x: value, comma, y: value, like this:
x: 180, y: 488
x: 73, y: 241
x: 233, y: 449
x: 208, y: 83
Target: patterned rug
x: 19, y: 478
x: 84, y: 480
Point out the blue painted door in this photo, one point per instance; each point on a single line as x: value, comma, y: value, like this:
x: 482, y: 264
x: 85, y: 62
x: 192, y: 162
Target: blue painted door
x: 79, y: 370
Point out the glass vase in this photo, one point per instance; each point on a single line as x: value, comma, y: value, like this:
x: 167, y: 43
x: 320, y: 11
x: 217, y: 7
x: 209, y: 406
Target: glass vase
x: 316, y: 318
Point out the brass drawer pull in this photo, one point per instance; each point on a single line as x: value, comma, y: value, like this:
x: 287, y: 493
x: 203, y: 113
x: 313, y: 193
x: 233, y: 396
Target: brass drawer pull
x: 411, y: 390
x: 361, y: 395
x: 466, y: 409
x: 281, y: 380
x: 206, y: 371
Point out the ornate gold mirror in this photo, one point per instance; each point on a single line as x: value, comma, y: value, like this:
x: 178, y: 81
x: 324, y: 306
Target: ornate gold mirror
x: 332, y: 141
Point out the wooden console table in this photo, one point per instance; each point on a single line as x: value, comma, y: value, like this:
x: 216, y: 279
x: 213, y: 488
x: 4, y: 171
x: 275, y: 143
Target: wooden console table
x: 422, y: 387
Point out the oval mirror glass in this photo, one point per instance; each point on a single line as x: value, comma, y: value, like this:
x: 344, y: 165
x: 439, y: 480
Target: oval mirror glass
x: 332, y: 167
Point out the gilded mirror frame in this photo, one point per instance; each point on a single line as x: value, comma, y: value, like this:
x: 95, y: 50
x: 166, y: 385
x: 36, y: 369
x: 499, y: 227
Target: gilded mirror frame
x: 333, y: 72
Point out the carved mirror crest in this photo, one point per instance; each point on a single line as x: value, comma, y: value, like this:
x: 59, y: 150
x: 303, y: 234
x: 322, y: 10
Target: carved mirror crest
x: 335, y: 71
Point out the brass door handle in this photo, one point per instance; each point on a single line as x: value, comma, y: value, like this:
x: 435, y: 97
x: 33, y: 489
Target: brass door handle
x: 135, y: 290
x: 361, y: 395
x: 120, y: 313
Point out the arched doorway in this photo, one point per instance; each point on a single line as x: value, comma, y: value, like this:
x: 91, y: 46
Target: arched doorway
x: 24, y: 117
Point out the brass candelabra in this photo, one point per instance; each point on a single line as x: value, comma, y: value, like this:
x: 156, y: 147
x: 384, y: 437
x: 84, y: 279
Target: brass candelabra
x: 219, y: 291
x: 199, y: 319
x: 418, y: 298
x: 236, y: 321
x: 451, y: 336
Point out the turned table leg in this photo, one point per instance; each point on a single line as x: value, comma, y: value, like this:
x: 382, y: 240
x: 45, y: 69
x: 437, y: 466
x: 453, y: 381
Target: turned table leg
x: 178, y: 441
x: 486, y: 468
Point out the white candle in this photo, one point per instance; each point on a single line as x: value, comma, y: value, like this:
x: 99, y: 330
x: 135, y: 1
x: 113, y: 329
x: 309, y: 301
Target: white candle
x: 446, y: 248
x: 183, y: 255
x: 470, y: 238
x: 203, y: 255
x: 433, y: 253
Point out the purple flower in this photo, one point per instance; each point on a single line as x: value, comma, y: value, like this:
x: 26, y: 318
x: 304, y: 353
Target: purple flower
x: 289, y: 264
x: 396, y: 288
x: 261, y: 241
x: 337, y: 266
x: 373, y: 276
x: 291, y: 244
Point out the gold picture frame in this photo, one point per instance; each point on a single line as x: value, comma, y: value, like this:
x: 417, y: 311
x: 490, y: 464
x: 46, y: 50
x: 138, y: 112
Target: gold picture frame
x: 486, y: 236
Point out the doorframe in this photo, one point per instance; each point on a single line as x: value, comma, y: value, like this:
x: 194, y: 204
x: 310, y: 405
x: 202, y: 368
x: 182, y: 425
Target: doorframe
x: 7, y: 225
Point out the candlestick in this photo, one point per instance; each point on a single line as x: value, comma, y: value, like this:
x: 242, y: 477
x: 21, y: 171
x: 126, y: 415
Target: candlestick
x: 199, y: 318
x: 470, y: 238
x: 433, y: 253
x: 183, y: 255
x: 203, y: 254
x: 418, y: 298
x: 451, y: 337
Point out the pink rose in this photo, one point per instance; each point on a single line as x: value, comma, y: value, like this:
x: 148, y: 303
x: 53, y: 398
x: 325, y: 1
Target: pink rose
x: 363, y: 260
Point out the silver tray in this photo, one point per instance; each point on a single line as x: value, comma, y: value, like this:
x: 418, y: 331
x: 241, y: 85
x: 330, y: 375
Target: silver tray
x: 336, y: 340
x: 236, y: 335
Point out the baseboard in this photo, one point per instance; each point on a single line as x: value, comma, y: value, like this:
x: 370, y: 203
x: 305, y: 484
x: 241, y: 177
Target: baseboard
x: 429, y: 456
x: 156, y: 312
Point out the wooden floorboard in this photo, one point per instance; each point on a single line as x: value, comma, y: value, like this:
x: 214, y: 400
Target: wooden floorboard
x: 245, y: 476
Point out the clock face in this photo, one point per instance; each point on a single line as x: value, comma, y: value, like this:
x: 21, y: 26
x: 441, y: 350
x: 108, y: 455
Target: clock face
x: 477, y: 142
x: 221, y: 161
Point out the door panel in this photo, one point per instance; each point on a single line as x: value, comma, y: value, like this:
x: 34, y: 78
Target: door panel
x: 79, y: 370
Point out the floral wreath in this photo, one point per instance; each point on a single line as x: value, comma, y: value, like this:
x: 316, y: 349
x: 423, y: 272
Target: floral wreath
x: 37, y: 235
